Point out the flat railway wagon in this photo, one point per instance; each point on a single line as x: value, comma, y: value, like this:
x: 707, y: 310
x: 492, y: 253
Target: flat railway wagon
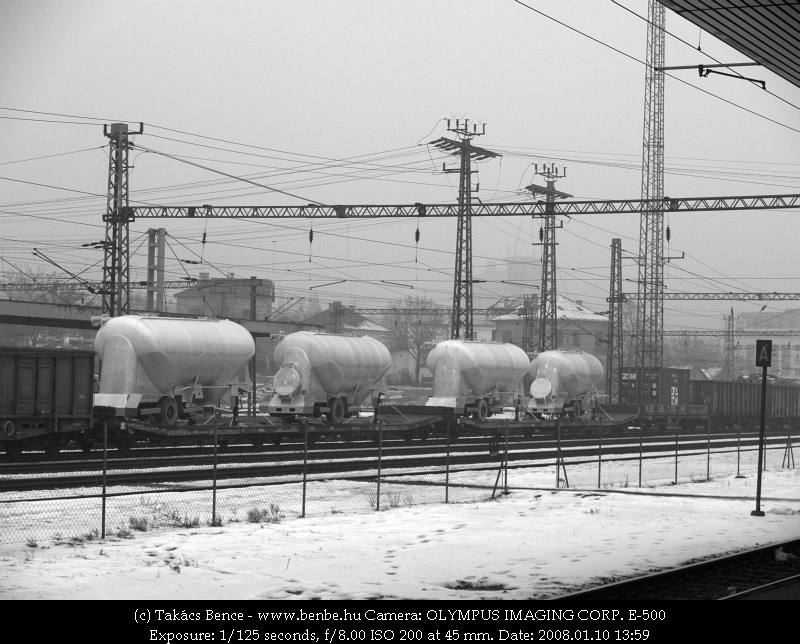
x: 45, y: 397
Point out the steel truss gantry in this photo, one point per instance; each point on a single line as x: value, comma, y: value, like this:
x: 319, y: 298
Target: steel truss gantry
x: 535, y: 208
x: 120, y: 214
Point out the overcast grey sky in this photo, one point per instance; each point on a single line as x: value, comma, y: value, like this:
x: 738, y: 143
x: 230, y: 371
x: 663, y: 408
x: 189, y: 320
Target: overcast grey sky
x: 335, y: 101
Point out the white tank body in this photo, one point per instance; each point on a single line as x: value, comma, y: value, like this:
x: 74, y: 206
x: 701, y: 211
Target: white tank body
x: 560, y: 378
x: 144, y: 358
x: 318, y: 367
x: 478, y: 369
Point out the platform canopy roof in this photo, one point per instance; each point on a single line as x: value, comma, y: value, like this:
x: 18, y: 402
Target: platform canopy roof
x: 765, y: 31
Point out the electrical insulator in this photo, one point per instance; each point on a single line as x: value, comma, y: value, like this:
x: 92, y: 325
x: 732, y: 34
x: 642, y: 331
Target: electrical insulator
x: 541, y: 234
x: 416, y: 236
x: 311, y: 236
x: 204, y: 238
x: 669, y: 233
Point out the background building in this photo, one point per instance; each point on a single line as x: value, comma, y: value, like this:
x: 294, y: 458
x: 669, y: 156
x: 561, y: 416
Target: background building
x: 231, y: 297
x: 578, y: 327
x: 785, y: 350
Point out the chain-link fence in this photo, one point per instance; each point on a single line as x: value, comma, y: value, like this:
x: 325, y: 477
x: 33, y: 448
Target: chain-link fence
x: 323, y: 474
x: 336, y: 474
x: 637, y: 460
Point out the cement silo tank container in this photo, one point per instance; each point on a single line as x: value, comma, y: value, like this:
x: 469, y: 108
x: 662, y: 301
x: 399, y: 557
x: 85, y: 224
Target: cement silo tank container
x: 158, y: 366
x: 565, y: 383
x: 475, y: 377
x: 326, y: 373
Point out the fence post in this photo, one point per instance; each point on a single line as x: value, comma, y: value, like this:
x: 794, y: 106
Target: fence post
x: 214, y: 479
x: 505, y: 487
x: 676, y: 451
x: 305, y: 471
x: 641, y: 448
x: 558, y: 451
x: 708, y: 457
x: 447, y: 463
x: 105, y: 463
x: 788, y: 452
x: 380, y: 463
x: 738, y: 446
x: 599, y: 451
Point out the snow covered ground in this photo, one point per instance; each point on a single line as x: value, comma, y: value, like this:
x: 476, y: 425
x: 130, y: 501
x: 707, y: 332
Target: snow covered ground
x: 535, y: 542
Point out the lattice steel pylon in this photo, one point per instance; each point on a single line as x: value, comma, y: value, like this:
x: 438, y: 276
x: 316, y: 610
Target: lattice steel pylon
x: 548, y: 307
x: 116, y: 264
x: 616, y: 297
x: 650, y: 316
x: 461, y: 317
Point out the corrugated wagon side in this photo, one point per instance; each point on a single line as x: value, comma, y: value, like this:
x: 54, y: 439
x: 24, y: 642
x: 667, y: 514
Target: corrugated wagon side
x: 45, y: 397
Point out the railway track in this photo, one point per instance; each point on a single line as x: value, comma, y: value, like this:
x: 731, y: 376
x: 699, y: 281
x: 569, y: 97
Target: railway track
x: 194, y: 464
x: 740, y: 575
x: 144, y: 451
x: 353, y: 469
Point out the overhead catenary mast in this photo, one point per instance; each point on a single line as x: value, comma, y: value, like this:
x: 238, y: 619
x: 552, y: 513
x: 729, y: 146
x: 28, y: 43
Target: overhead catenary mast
x: 650, y: 317
x: 116, y: 266
x: 461, y: 318
x: 548, y: 304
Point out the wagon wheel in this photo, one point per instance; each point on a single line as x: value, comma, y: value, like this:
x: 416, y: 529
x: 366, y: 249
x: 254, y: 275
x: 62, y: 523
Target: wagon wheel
x: 8, y: 428
x: 13, y: 449
x: 123, y: 444
x: 336, y: 413
x: 169, y: 410
x: 481, y: 411
x: 52, y: 446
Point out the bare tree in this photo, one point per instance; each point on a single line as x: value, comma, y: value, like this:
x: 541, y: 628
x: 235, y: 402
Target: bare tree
x: 689, y: 351
x: 414, y: 325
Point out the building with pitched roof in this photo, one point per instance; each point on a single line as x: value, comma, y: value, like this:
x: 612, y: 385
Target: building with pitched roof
x: 578, y: 327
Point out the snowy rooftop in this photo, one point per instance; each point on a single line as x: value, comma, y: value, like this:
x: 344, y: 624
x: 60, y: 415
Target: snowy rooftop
x: 351, y: 322
x: 565, y: 310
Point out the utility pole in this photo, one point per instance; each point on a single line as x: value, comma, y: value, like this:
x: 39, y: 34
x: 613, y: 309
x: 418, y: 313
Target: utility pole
x: 548, y: 318
x: 530, y: 315
x: 461, y: 317
x: 730, y: 348
x: 156, y: 242
x: 616, y: 298
x: 650, y: 317
x: 116, y: 265
x: 337, y: 312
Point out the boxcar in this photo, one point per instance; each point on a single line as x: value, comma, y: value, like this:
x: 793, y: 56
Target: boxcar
x: 739, y: 403
x: 45, y: 397
x: 654, y: 386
